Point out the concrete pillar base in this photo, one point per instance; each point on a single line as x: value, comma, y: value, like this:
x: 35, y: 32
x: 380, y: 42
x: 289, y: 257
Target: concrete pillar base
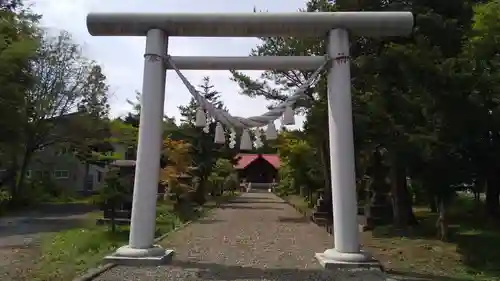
x: 138, y: 257
x: 352, y: 266
x: 331, y: 259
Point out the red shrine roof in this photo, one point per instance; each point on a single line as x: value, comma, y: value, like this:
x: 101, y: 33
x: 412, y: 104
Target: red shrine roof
x: 246, y: 159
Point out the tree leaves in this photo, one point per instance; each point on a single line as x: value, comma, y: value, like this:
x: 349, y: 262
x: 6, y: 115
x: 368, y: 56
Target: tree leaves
x: 52, y: 96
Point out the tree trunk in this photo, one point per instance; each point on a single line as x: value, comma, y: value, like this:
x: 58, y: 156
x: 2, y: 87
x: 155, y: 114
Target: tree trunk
x: 324, y: 206
x: 19, y: 182
x: 477, y: 197
x: 10, y: 178
x: 492, y: 195
x: 199, y: 195
x: 325, y: 163
x: 477, y: 202
x: 442, y: 222
x: 401, y: 200
x: 432, y: 204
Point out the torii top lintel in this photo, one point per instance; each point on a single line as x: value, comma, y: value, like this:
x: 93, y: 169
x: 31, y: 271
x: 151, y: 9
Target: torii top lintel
x: 297, y: 24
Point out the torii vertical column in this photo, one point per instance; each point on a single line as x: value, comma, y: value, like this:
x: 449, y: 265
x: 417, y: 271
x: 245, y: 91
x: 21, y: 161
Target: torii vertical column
x: 141, y: 248
x: 340, y: 127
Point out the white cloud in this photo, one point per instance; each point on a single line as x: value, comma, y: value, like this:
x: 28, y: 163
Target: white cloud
x: 121, y: 57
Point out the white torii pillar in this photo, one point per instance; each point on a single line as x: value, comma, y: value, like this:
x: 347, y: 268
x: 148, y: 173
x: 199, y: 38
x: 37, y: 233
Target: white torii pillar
x: 337, y: 25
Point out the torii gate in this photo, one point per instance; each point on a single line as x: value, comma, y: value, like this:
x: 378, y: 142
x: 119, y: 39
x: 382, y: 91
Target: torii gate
x: 158, y: 27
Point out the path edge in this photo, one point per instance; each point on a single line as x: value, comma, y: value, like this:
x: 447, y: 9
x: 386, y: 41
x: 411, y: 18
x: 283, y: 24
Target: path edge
x: 382, y: 266
x: 311, y: 220
x: 92, y: 273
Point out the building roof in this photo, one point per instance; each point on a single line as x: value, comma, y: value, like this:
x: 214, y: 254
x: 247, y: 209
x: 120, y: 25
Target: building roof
x: 246, y: 159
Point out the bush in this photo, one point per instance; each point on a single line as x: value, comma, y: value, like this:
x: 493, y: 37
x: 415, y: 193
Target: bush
x: 286, y: 184
x: 117, y: 186
x: 115, y: 191
x: 231, y: 182
x: 299, y: 167
x: 179, y: 190
x: 42, y: 188
x: 32, y: 193
x: 4, y: 200
x: 223, y: 177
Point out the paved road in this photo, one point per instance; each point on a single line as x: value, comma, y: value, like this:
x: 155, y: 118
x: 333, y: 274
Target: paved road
x: 19, y: 234
x: 254, y: 237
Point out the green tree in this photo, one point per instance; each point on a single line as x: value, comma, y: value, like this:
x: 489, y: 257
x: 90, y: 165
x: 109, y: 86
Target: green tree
x: 95, y: 101
x: 95, y: 106
x: 203, y: 149
x: 133, y: 117
x: 170, y: 128
x: 116, y: 189
x: 10, y: 5
x: 299, y: 171
x: 479, y: 70
x: 398, y: 86
x: 222, y: 175
x: 62, y: 82
x: 18, y: 45
x: 207, y: 89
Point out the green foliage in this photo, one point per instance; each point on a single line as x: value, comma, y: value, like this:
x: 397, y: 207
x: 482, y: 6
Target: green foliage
x: 133, y: 117
x: 116, y: 188
x: 4, y: 200
x: 223, y: 176
x: 46, y: 79
x: 95, y: 102
x: 122, y: 133
x: 429, y: 101
x: 18, y: 45
x: 179, y: 189
x: 286, y: 184
x: 299, y: 169
x: 223, y: 168
x: 485, y: 35
x: 203, y: 149
x: 231, y: 183
x: 41, y: 188
x: 11, y: 5
x: 188, y: 112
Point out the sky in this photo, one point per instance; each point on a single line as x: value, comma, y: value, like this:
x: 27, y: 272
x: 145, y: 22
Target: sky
x: 122, y: 57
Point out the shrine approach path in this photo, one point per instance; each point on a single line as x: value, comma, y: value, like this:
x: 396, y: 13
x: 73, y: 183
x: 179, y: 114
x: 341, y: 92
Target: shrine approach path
x: 256, y: 236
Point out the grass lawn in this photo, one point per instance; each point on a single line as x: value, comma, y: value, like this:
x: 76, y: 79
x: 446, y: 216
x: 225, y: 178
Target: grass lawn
x: 66, y: 254
x: 300, y: 204
x: 472, y: 252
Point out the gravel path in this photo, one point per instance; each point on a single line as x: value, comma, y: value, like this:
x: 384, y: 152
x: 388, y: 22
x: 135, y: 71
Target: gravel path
x: 254, y: 237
